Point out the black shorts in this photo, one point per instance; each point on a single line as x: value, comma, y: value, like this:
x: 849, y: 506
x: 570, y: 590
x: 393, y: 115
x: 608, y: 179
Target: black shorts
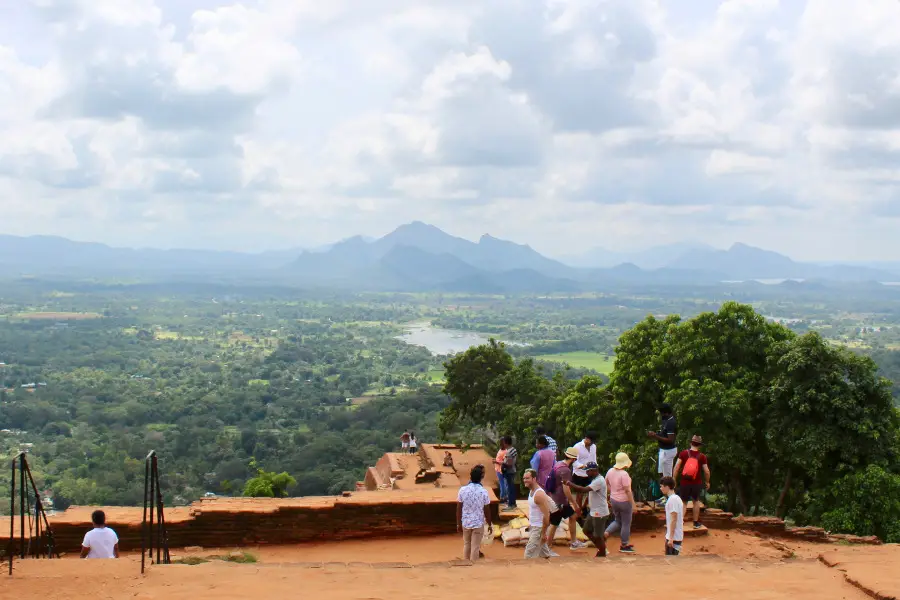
x: 690, y: 491
x: 561, y: 515
x: 582, y: 481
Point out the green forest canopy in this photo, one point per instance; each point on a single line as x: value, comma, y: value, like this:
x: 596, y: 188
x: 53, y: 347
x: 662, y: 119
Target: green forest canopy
x: 788, y: 418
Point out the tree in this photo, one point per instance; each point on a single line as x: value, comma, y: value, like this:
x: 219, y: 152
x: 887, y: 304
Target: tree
x: 268, y: 484
x: 712, y: 369
x: 866, y: 502
x: 829, y: 413
x: 468, y: 378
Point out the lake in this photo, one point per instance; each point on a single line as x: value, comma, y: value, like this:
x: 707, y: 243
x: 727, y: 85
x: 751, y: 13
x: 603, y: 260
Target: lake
x: 443, y: 341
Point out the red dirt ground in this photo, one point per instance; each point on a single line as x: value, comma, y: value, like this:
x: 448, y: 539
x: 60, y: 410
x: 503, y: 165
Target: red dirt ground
x: 722, y: 565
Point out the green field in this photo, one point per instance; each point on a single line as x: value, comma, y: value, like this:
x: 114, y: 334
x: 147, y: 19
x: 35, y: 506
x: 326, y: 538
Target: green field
x: 586, y: 360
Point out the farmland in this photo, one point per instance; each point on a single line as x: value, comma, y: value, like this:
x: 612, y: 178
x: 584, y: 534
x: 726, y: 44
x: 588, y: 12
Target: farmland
x: 602, y: 363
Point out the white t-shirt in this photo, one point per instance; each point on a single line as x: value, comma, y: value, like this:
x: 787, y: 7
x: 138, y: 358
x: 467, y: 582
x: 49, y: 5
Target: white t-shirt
x: 585, y: 455
x: 597, y: 497
x: 675, y: 510
x: 101, y: 541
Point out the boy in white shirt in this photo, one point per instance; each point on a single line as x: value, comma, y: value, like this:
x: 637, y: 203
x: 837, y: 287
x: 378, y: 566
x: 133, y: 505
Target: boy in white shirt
x: 674, y: 517
x: 101, y: 541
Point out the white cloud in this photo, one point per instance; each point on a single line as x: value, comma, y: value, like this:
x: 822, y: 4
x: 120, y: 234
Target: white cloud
x: 561, y: 123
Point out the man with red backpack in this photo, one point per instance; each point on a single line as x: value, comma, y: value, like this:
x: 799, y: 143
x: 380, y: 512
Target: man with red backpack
x: 694, y: 468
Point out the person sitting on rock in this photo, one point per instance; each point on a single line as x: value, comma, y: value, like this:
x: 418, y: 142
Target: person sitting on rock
x: 101, y: 541
x: 448, y: 459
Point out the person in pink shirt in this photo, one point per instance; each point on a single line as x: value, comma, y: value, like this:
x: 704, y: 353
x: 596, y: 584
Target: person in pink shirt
x: 543, y: 461
x: 621, y: 498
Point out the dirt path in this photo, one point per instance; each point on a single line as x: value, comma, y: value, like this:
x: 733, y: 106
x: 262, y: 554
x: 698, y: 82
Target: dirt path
x: 624, y: 577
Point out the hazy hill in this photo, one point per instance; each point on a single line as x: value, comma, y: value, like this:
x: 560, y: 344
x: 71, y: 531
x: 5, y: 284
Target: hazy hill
x: 413, y: 257
x: 742, y: 262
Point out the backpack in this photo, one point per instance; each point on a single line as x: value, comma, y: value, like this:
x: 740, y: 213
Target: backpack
x: 691, y: 469
x: 553, y: 480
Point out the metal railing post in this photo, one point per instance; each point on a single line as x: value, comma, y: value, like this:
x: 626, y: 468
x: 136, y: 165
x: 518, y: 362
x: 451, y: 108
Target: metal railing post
x: 23, y: 498
x: 144, y: 518
x: 12, y: 515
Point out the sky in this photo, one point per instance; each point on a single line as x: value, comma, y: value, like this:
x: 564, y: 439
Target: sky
x: 564, y: 124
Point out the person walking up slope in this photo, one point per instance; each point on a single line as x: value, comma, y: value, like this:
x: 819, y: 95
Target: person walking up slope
x: 621, y: 497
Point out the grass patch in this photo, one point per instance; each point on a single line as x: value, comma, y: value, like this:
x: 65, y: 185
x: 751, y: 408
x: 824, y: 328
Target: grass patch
x: 190, y: 560
x: 239, y: 557
x: 586, y: 360
x: 243, y: 558
x: 435, y: 375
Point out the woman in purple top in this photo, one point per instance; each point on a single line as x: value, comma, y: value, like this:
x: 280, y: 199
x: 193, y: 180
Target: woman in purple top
x: 543, y: 460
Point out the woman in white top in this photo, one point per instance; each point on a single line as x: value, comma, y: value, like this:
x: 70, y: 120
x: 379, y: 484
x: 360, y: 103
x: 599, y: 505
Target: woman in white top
x: 540, y: 505
x: 413, y: 442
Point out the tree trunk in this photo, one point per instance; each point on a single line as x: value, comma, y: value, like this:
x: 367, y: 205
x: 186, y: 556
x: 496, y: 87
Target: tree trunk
x: 741, y: 499
x: 781, y: 508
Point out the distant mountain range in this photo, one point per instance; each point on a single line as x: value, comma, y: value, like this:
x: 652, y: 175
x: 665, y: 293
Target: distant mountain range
x: 421, y: 257
x: 657, y: 257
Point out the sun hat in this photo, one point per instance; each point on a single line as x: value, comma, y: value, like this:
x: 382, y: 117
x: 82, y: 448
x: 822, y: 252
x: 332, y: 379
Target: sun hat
x: 622, y: 461
x: 697, y: 440
x: 571, y: 452
x: 591, y: 466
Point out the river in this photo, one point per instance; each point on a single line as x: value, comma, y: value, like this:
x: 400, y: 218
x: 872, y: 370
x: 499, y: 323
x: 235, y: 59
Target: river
x: 443, y: 341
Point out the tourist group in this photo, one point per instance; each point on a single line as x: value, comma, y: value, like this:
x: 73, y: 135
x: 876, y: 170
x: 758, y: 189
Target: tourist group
x: 571, y: 487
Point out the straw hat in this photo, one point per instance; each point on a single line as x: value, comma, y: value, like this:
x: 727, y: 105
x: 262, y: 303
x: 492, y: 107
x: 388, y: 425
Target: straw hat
x: 572, y: 452
x: 622, y: 461
x: 697, y: 440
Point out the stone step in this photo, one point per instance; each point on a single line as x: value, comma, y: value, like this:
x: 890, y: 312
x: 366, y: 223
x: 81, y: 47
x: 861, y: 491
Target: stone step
x: 689, y: 531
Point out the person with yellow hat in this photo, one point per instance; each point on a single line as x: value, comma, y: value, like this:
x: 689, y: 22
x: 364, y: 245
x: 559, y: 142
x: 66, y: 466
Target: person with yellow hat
x: 621, y: 499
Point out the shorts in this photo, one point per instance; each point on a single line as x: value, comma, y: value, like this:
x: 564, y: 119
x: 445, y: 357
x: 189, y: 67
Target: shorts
x: 673, y: 551
x: 561, y: 515
x: 404, y: 445
x: 690, y: 491
x: 666, y: 463
x: 594, y: 526
x: 582, y: 480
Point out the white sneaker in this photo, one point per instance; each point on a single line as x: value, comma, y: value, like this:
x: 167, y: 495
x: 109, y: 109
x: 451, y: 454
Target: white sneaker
x: 553, y: 554
x: 577, y: 545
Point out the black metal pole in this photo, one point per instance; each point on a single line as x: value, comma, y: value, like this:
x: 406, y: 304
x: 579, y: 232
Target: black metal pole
x: 22, y: 500
x: 164, y: 536
x: 38, y: 510
x: 155, y: 475
x: 12, y: 515
x: 152, y: 509
x: 144, y: 519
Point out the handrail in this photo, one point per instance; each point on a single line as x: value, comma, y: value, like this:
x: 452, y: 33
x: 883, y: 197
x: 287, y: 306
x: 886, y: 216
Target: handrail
x: 153, y: 501
x: 39, y: 528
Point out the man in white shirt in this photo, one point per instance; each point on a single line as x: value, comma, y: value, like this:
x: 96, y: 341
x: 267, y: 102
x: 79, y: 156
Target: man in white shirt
x: 101, y: 541
x: 587, y: 453
x: 674, y: 517
x: 473, y: 513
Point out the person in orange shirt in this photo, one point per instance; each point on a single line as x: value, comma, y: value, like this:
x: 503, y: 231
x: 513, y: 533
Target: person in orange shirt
x: 501, y: 456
